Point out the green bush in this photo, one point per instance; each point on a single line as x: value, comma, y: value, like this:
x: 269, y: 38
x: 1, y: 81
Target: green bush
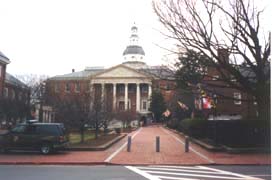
x: 173, y: 123
x: 194, y: 127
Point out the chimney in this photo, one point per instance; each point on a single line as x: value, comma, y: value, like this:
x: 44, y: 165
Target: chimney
x: 73, y: 70
x: 223, y: 55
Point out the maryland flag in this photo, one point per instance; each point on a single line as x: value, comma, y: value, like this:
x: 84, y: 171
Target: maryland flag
x: 182, y: 105
x: 167, y: 113
x: 207, y: 101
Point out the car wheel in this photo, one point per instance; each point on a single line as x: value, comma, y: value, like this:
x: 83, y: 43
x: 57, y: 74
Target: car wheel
x: 45, y: 149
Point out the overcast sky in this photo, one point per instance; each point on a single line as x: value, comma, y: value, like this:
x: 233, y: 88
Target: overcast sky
x: 51, y: 37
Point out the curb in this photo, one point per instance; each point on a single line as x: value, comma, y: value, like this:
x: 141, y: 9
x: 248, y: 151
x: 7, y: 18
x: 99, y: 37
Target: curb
x: 98, y: 148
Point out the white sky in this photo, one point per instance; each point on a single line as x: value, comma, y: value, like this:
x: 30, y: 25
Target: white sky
x: 51, y: 37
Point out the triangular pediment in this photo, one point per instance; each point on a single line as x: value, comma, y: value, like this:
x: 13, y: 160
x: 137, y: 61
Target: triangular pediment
x: 121, y: 71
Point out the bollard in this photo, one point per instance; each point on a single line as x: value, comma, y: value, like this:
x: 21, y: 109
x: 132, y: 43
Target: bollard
x: 129, y: 144
x: 187, y: 144
x: 157, y: 144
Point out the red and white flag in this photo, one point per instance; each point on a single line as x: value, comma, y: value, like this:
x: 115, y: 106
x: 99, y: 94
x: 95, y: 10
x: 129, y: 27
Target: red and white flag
x: 182, y: 105
x: 206, y: 103
x: 167, y: 113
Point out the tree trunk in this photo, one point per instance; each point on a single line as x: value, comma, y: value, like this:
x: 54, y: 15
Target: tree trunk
x: 96, y: 130
x: 82, y: 134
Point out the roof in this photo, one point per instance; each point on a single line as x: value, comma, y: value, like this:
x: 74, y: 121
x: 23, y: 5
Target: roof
x: 133, y: 49
x: 87, y: 72
x: 14, y: 81
x: 161, y: 72
x: 4, y: 58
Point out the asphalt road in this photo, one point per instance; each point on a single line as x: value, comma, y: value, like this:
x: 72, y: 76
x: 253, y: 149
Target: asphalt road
x: 30, y: 172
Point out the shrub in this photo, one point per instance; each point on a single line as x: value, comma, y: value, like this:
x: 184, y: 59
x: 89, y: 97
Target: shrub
x: 194, y: 127
x: 173, y: 123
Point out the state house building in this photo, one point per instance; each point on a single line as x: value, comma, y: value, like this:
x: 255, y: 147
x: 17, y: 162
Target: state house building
x: 127, y: 86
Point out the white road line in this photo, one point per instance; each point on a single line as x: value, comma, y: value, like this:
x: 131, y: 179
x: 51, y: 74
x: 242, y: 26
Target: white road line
x: 176, y: 167
x: 120, y: 149
x: 195, y: 175
x: 142, y: 173
x: 175, y: 178
x: 180, y: 170
x: 230, y: 173
x: 193, y: 150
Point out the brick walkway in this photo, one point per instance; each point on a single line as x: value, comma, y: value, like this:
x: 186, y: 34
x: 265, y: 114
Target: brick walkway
x: 142, y: 152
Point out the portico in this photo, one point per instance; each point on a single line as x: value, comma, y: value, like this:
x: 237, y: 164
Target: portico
x: 124, y: 88
x: 125, y: 94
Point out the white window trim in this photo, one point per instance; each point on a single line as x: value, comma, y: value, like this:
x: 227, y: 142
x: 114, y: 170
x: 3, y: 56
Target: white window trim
x: 237, y: 98
x: 67, y: 91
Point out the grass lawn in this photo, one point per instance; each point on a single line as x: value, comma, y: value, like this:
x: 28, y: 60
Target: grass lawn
x: 75, y: 138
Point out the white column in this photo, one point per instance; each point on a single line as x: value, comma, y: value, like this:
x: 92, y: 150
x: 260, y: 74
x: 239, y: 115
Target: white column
x: 149, y: 94
x: 91, y: 91
x: 102, y: 92
x: 137, y: 97
x: 114, y: 96
x: 126, y: 97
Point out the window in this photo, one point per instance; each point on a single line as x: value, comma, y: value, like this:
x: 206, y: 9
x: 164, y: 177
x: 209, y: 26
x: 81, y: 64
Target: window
x: 57, y: 88
x: 121, y: 105
x: 0, y: 70
x: 120, y: 88
x: 6, y: 92
x: 131, y: 88
x: 20, y: 96
x: 77, y: 87
x: 215, y: 77
x: 144, y: 105
x: 215, y: 99
x: 237, y: 98
x: 144, y: 88
x: 12, y: 94
x: 168, y: 87
x: 67, y: 87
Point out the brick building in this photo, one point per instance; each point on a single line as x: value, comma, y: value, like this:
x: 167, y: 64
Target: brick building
x: 14, y: 96
x: 3, y: 63
x: 127, y: 86
x: 230, y: 103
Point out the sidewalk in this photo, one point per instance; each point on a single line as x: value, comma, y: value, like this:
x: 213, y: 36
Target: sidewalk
x: 143, y: 151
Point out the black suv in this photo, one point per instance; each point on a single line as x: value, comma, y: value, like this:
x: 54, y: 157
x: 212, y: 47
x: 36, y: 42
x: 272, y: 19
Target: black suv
x: 45, y: 137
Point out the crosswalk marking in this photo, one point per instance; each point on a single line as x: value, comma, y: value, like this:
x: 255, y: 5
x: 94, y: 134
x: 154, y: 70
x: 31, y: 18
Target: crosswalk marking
x: 181, y: 170
x: 175, y: 178
x: 186, y: 173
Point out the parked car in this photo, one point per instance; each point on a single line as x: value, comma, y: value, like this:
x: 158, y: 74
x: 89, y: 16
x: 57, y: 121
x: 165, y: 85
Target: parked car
x: 46, y: 137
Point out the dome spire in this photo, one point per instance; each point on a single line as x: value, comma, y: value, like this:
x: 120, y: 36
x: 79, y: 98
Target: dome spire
x: 134, y: 52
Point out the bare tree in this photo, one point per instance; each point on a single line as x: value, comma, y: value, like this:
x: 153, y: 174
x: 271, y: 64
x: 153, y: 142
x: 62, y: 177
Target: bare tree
x: 209, y: 25
x: 36, y: 83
